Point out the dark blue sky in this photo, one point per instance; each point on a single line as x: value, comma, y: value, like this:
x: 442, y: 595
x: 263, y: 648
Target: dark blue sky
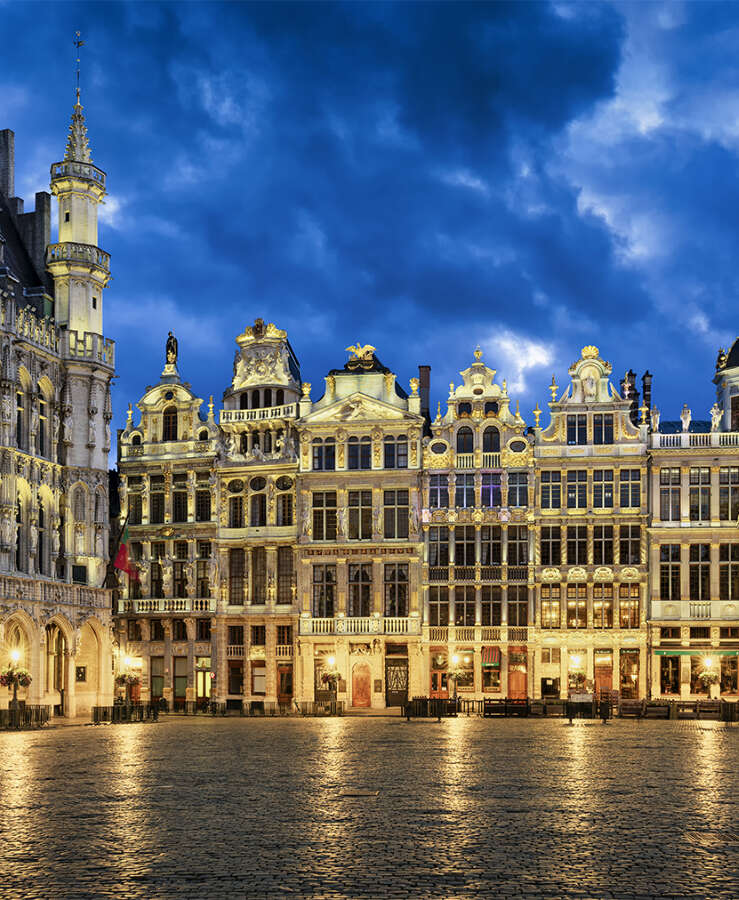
x: 532, y: 177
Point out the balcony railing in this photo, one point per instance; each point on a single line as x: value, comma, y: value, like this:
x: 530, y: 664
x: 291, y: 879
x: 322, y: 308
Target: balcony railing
x: 231, y: 416
x: 518, y: 634
x: 439, y: 633
x: 491, y: 460
x: 284, y: 651
x: 73, y: 169
x: 28, y: 590
x: 169, y: 604
x: 464, y: 633
x: 87, y: 254
x: 518, y: 573
x: 700, y: 609
x: 465, y: 461
x: 235, y: 651
x: 488, y: 633
x: 438, y: 573
x: 491, y: 573
x: 699, y: 439
x: 361, y: 625
x: 464, y: 573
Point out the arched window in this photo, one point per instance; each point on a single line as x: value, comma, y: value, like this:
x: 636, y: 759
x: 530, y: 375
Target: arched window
x: 19, y: 555
x: 491, y: 440
x: 258, y: 516
x: 203, y: 436
x: 20, y: 421
x: 41, y: 554
x: 42, y: 427
x: 464, y: 440
x: 268, y: 397
x: 255, y: 404
x: 244, y: 401
x: 279, y: 397
x: 99, y: 506
x: 79, y: 504
x: 396, y: 451
x: 169, y: 424
x: 136, y: 440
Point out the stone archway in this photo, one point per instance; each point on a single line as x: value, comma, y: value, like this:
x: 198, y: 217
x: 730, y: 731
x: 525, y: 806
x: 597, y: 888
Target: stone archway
x: 18, y: 649
x: 56, y: 669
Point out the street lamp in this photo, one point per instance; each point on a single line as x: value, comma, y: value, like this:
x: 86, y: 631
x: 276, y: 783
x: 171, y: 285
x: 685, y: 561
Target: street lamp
x: 453, y: 674
x: 15, y: 655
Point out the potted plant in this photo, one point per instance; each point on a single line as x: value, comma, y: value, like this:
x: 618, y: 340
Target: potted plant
x: 13, y: 677
x: 708, y: 677
x: 330, y: 680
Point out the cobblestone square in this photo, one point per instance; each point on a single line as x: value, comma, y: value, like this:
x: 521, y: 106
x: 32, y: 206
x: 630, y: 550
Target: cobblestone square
x: 371, y: 808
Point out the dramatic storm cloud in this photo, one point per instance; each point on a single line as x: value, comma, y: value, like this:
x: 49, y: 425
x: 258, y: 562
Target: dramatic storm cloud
x: 424, y: 178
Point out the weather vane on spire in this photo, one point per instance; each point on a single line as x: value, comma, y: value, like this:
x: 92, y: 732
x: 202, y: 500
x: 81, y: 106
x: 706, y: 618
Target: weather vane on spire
x: 78, y: 43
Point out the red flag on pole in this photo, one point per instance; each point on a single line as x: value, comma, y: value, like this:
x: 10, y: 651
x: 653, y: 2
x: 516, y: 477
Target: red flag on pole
x: 123, y: 561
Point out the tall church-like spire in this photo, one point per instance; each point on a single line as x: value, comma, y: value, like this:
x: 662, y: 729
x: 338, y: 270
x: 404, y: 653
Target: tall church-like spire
x: 78, y: 146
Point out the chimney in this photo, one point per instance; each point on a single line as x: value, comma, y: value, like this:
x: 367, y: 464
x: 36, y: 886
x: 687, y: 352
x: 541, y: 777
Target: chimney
x: 633, y: 395
x: 7, y: 163
x: 424, y: 386
x: 35, y: 228
x: 646, y: 389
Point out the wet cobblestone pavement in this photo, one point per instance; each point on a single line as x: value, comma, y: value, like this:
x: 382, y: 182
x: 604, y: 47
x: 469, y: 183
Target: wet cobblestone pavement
x: 371, y: 808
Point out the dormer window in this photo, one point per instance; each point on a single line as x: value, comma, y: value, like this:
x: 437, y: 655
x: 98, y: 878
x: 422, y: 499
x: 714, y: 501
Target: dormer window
x: 169, y: 424
x: 464, y: 410
x: 491, y: 408
x: 136, y: 440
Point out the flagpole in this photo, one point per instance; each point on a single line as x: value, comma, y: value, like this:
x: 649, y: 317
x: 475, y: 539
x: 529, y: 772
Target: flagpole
x: 117, y: 547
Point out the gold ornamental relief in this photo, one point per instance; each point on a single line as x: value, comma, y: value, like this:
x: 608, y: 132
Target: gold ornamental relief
x: 550, y: 575
x: 433, y: 460
x: 509, y: 459
x: 603, y: 573
x: 577, y: 573
x: 629, y: 574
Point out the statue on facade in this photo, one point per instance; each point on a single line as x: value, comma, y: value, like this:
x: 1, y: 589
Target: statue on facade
x: 716, y: 415
x: 7, y: 408
x: 341, y: 516
x: 654, y: 415
x: 685, y: 417
x: 79, y: 540
x: 171, y: 350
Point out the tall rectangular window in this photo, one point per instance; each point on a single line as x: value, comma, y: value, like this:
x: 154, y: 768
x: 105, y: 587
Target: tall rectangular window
x: 179, y: 506
x: 284, y: 509
x: 203, y: 586
x: 396, y: 513
x: 258, y: 576
x: 577, y: 429
x: 728, y: 493
x: 396, y: 452
x: 464, y: 545
x: 577, y: 545
x: 324, y: 515
x: 464, y: 605
x: 700, y: 494
x: 629, y: 481
x: 20, y: 422
x: 728, y: 572
x: 669, y: 572
x: 629, y: 545
x: 490, y: 490
x: 359, y: 453
x: 518, y: 489
x: 603, y: 428
x: 156, y: 507
x: 202, y: 506
x: 669, y: 495
x: 324, y: 589
x: 438, y: 545
x: 360, y: 590
x: 518, y: 545
x: 285, y: 575
x: 491, y: 545
x: 491, y: 599
x: 438, y: 605
x: 518, y: 605
x: 551, y: 490
x: 360, y: 515
x: 258, y: 510
x: 438, y: 492
x: 551, y: 599
x: 699, y: 562
x: 577, y: 606
x: 603, y: 489
x: 464, y: 491
x: 324, y: 455
x: 235, y: 512
x: 134, y: 509
x: 577, y: 489
x: 236, y: 576
x: 602, y: 606
x: 551, y: 545
x: 628, y: 605
x: 396, y: 589
x: 603, y: 545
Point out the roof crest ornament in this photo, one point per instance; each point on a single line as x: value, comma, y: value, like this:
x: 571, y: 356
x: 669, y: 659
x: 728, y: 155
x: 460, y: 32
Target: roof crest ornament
x: 78, y: 146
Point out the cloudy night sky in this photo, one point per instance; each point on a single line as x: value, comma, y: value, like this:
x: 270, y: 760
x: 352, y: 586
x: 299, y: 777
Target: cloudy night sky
x: 420, y: 177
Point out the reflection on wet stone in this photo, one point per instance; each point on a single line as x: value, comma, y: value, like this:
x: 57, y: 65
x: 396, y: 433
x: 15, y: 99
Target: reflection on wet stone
x: 371, y: 808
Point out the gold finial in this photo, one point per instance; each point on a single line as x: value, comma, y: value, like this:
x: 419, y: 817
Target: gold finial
x: 210, y: 406
x: 414, y: 387
x: 553, y: 390
x: 590, y: 352
x: 505, y: 385
x: 306, y: 390
x: 130, y: 411
x: 451, y: 387
x: 537, y: 414
x: 517, y: 412
x: 643, y: 409
x: 438, y: 414
x: 478, y: 353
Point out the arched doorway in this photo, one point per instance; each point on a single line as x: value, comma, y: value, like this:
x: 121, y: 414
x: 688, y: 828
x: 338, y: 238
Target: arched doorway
x: 57, y: 660
x: 87, y: 670
x: 17, y: 652
x: 361, y: 685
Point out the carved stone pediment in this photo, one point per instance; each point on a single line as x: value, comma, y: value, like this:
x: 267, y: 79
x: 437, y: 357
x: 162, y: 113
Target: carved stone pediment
x: 356, y: 408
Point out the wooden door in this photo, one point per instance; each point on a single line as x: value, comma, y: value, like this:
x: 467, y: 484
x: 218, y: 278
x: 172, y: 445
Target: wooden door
x: 361, y: 685
x: 284, y: 684
x: 396, y: 681
x: 517, y: 673
x: 603, y: 680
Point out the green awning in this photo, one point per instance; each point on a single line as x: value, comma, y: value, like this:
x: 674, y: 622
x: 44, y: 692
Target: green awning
x: 696, y: 652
